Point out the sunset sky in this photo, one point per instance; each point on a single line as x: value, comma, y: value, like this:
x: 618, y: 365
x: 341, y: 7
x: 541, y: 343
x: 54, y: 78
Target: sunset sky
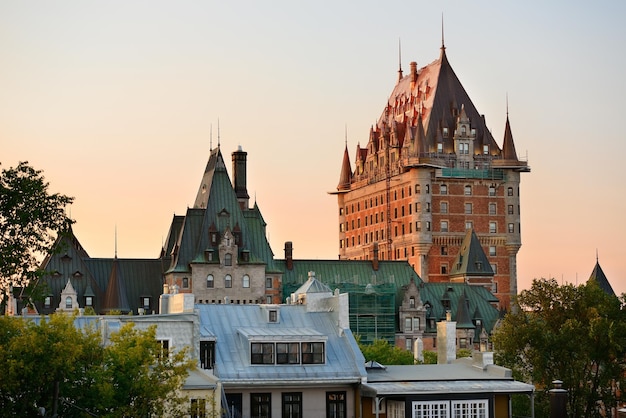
x: 116, y: 101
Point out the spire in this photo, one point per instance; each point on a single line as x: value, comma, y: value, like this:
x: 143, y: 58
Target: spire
x: 218, y: 132
x: 399, y: 61
x: 508, y: 146
x: 345, y: 177
x: 211, y: 138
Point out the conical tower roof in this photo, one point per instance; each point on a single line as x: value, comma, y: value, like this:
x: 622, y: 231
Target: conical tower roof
x: 346, y: 172
x: 508, y: 146
x: 599, y: 277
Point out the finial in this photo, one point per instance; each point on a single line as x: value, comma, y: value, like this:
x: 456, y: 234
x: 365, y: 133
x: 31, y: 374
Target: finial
x: 443, y: 44
x: 115, y: 240
x: 346, y: 135
x: 218, y: 132
x: 507, y: 105
x: 211, y: 138
x: 597, y: 256
x: 399, y: 60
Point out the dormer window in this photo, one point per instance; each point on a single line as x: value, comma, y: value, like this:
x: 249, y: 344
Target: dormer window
x: 68, y: 302
x: 463, y: 130
x: 486, y: 149
x: 228, y: 259
x: 445, y: 132
x: 273, y: 315
x: 47, y: 302
x: 440, y: 147
x: 88, y: 300
x: 411, y: 302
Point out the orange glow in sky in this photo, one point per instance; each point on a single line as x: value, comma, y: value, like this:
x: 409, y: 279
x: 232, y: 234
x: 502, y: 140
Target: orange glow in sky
x: 116, y: 101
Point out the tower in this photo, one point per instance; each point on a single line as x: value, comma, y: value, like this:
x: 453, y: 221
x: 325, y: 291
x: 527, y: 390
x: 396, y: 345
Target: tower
x: 431, y: 171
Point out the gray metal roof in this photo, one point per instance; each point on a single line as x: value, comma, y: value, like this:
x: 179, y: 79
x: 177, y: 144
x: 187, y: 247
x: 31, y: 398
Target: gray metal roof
x: 231, y: 324
x: 461, y: 376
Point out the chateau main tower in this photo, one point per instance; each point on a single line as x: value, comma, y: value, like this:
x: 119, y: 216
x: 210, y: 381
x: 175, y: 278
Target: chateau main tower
x: 430, y: 172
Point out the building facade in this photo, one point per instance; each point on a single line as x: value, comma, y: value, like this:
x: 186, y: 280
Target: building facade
x: 430, y: 171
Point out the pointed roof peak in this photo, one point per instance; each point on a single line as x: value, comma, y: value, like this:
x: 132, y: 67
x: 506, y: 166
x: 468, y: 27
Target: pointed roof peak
x: 599, y: 277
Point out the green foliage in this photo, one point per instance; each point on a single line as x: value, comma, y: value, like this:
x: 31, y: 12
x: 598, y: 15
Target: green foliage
x: 576, y: 334
x: 30, y: 219
x: 384, y: 353
x: 66, y: 370
x: 430, y: 357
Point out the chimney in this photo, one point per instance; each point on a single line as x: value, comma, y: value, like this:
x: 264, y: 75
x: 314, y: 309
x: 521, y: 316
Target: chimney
x: 558, y: 400
x: 289, y: 255
x: 413, y: 74
x: 239, y: 177
x: 446, y: 341
x: 375, y: 259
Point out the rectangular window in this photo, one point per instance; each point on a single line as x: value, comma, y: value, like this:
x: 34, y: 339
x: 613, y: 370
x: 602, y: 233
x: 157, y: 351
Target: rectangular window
x: 89, y: 301
x: 509, y: 191
x: 492, y: 190
x: 492, y: 250
x: 428, y: 225
x: 468, y: 190
x: 408, y: 344
x: 468, y: 225
x: 47, y: 302
x: 287, y: 353
x: 262, y: 353
x: 444, y: 250
x: 260, y: 405
x: 492, y: 208
x: 336, y: 405
x: 470, y: 409
x: 207, y: 354
x: 395, y: 409
x: 511, y: 228
x: 444, y: 226
x: 468, y: 208
x: 418, y: 225
x: 443, y: 207
x: 444, y: 269
x: 292, y: 405
x: 273, y: 315
x: 165, y: 348
x: 185, y: 282
x: 268, y: 282
x: 510, y: 209
x: 407, y: 324
x: 443, y: 189
x: 431, y: 409
x: 416, y: 323
x: 198, y: 408
x: 313, y: 353
x: 493, y: 228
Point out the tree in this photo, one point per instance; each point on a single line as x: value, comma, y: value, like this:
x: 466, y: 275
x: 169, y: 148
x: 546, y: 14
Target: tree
x: 30, y: 219
x: 576, y: 334
x: 55, y: 365
x: 386, y: 354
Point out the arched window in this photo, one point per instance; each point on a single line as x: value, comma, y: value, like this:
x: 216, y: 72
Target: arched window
x: 68, y: 302
x: 185, y: 282
x: 209, y: 281
x: 228, y: 281
x: 246, y: 281
x: 228, y: 259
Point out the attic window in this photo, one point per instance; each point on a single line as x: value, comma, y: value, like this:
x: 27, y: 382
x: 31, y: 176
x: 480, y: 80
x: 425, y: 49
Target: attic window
x: 47, y: 302
x: 273, y: 315
x: 479, y: 265
x: 486, y: 149
x: 445, y: 132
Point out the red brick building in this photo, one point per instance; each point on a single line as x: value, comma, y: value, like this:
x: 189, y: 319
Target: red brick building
x: 430, y: 171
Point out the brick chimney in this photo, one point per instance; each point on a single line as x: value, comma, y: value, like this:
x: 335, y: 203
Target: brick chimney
x: 375, y: 259
x: 239, y: 177
x: 289, y: 255
x: 413, y: 73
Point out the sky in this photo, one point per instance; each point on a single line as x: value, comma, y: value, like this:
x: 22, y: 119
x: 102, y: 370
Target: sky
x: 119, y: 102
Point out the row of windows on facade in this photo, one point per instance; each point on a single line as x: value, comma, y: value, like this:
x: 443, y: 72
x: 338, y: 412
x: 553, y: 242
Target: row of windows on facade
x: 261, y: 405
x: 373, y: 219
x: 88, y: 302
x: 268, y: 299
x: 443, y: 190
x: 227, y: 282
x: 379, y: 235
x: 288, y: 353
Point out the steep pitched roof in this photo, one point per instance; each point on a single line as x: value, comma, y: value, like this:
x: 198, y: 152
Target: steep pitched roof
x: 217, y: 207
x: 471, y: 259
x: 508, y: 146
x: 437, y: 95
x: 599, y: 277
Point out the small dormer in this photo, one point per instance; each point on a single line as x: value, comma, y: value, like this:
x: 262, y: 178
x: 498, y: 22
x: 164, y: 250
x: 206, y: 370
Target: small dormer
x: 228, y: 249
x: 271, y: 313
